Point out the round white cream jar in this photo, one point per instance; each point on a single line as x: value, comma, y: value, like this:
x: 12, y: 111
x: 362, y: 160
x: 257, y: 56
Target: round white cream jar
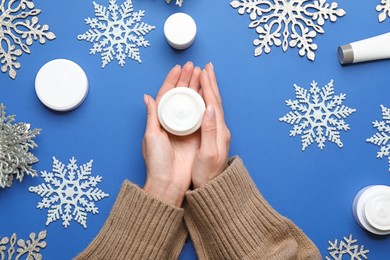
x: 180, y: 111
x: 371, y: 209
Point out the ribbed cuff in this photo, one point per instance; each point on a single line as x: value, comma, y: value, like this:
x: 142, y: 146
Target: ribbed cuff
x: 139, y: 227
x: 229, y: 219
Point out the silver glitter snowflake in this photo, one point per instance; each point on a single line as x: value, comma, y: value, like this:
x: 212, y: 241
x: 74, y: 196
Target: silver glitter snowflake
x: 317, y: 115
x: 15, y: 141
x: 19, y: 28
x: 117, y: 32
x: 28, y: 249
x: 384, y: 9
x: 348, y: 248
x: 382, y: 137
x: 178, y: 2
x: 288, y: 22
x: 69, y: 192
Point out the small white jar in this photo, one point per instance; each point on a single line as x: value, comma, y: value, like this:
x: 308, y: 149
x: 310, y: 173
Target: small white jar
x: 180, y: 31
x: 180, y: 111
x: 371, y: 209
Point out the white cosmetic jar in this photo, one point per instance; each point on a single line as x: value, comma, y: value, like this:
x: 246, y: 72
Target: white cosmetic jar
x: 180, y: 111
x: 180, y: 30
x: 371, y: 209
x: 61, y: 85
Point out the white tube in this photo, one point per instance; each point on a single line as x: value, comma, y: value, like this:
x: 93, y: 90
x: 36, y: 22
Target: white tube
x: 374, y: 48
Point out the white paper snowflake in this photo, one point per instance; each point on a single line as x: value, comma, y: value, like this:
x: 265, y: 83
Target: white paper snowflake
x: 382, y: 137
x: 384, y: 9
x: 288, y: 22
x: 317, y: 115
x: 28, y: 249
x: 69, y: 192
x: 117, y: 32
x: 337, y: 251
x: 16, y: 139
x: 19, y: 28
x: 178, y: 2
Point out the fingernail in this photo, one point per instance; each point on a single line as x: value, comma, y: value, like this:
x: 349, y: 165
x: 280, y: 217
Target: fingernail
x: 189, y: 62
x: 210, y: 112
x: 146, y: 100
x: 211, y: 64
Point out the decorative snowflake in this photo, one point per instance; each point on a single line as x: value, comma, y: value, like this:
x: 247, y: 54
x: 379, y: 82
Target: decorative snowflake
x: 28, y: 249
x: 382, y: 138
x: 15, y: 142
x: 117, y: 32
x: 295, y: 21
x: 19, y: 28
x: 69, y: 192
x: 384, y: 8
x: 317, y: 114
x: 178, y: 2
x: 337, y: 251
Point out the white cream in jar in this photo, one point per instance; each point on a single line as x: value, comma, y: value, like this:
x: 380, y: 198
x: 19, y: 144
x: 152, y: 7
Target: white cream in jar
x: 180, y: 111
x: 371, y: 209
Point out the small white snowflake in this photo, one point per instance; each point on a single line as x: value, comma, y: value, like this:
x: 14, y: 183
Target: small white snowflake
x: 19, y: 28
x: 178, y: 2
x: 382, y: 138
x: 16, y: 139
x: 337, y: 251
x: 117, y: 32
x: 384, y: 9
x: 317, y: 114
x: 288, y: 22
x: 69, y: 192
x: 28, y: 249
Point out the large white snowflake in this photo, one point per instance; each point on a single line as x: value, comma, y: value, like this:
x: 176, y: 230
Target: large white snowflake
x: 349, y: 247
x: 384, y: 9
x: 317, y: 115
x: 117, y: 32
x: 16, y: 139
x: 288, y: 22
x: 178, y: 2
x: 382, y: 137
x: 19, y: 28
x: 69, y: 192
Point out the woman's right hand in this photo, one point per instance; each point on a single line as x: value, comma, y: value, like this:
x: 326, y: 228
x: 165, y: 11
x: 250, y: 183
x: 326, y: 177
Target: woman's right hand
x: 212, y: 157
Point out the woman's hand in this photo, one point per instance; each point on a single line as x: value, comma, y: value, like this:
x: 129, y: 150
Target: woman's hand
x: 169, y: 159
x: 212, y: 157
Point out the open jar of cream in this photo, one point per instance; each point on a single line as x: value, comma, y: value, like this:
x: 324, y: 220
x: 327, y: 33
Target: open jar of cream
x: 371, y: 209
x: 180, y: 111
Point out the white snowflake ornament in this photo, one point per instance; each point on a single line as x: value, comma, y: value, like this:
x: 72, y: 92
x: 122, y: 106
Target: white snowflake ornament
x: 178, y: 2
x: 117, y: 32
x: 382, y: 137
x: 287, y: 22
x: 317, y: 115
x: 19, y: 28
x: 28, y: 249
x: 346, y: 247
x: 384, y: 9
x: 69, y: 192
x: 16, y: 139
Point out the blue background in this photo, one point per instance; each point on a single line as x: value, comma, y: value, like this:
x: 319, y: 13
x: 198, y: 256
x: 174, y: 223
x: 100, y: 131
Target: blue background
x: 314, y: 188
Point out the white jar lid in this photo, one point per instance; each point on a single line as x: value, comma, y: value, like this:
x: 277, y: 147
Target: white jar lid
x: 180, y: 111
x: 371, y: 210
x: 377, y: 208
x: 61, y: 85
x: 180, y: 30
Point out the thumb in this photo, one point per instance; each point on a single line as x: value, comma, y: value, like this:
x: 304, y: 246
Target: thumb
x: 209, y: 132
x: 152, y: 123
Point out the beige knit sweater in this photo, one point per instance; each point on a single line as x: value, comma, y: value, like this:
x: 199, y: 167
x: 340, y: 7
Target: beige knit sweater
x: 227, y: 219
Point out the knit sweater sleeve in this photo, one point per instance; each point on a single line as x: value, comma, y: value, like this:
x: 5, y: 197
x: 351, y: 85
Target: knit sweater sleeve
x: 139, y: 227
x: 228, y: 218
